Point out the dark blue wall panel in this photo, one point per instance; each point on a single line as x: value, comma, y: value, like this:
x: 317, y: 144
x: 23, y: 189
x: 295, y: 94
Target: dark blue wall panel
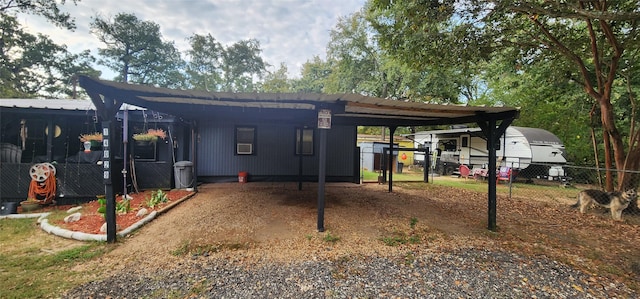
x: 274, y: 151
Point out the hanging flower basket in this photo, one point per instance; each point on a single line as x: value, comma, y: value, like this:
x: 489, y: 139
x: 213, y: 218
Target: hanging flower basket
x: 95, y: 137
x: 151, y: 135
x: 145, y: 137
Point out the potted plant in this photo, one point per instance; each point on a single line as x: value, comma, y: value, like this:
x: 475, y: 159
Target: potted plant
x: 91, y: 140
x: 31, y: 204
x: 151, y: 135
x: 91, y: 137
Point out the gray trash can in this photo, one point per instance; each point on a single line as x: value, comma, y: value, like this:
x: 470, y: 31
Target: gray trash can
x: 9, y: 207
x: 183, y: 171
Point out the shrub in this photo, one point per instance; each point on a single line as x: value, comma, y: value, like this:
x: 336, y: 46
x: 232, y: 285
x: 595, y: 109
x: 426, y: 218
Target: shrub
x: 157, y: 197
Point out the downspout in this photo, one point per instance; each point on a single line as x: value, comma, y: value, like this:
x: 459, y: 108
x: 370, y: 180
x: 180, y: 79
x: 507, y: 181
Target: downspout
x: 194, y: 154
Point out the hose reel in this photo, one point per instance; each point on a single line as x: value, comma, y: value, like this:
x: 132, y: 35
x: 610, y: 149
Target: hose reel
x: 43, y: 183
x: 40, y: 172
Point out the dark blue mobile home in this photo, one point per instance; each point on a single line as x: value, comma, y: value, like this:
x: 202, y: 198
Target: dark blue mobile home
x: 275, y: 152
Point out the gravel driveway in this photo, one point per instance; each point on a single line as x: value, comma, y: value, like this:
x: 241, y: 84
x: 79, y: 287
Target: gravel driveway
x: 463, y: 274
x: 259, y: 242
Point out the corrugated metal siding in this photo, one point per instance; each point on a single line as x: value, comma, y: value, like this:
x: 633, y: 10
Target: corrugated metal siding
x: 274, y: 151
x: 340, y: 151
x: 215, y: 149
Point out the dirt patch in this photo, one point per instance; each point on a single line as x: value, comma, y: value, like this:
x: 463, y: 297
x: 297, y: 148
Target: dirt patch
x: 276, y: 221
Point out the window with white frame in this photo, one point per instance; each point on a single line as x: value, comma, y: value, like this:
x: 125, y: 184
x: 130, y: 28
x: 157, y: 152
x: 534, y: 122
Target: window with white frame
x: 304, y: 141
x: 245, y: 140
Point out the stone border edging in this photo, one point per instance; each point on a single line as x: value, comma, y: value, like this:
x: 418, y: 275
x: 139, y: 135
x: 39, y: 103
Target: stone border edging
x: 138, y: 224
x: 65, y: 233
x: 23, y: 216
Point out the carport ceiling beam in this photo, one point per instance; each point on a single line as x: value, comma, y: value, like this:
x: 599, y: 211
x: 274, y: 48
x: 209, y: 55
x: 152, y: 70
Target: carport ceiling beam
x: 399, y: 120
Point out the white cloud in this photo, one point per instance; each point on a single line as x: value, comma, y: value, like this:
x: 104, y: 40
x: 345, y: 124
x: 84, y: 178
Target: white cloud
x: 290, y: 31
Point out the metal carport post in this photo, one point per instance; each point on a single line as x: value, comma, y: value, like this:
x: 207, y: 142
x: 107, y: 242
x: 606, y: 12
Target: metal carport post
x: 493, y: 137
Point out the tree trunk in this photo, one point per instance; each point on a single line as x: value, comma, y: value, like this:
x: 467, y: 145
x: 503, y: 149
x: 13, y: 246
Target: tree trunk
x: 612, y: 140
x: 608, y: 177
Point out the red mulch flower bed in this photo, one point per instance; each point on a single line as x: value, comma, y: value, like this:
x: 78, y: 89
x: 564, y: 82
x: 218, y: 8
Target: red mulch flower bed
x: 91, y: 220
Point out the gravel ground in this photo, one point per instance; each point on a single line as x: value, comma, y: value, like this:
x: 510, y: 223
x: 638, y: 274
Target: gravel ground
x: 260, y: 241
x: 471, y: 273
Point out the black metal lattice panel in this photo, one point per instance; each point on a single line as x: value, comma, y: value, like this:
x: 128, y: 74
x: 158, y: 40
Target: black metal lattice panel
x: 73, y: 180
x: 153, y: 175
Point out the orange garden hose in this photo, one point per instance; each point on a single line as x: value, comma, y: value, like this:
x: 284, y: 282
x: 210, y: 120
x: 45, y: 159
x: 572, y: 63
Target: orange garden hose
x: 46, y: 190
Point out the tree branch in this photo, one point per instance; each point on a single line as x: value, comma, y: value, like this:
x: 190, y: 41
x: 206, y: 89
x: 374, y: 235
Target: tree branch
x: 562, y: 49
x: 568, y: 10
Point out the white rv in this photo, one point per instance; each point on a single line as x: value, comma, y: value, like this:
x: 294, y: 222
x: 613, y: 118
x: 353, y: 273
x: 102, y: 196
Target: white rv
x: 518, y: 148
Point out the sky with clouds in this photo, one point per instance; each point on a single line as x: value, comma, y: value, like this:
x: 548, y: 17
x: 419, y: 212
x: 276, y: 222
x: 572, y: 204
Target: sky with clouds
x: 289, y: 31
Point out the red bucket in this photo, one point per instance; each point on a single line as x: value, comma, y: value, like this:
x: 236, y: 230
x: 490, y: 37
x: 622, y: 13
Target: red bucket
x: 242, y: 176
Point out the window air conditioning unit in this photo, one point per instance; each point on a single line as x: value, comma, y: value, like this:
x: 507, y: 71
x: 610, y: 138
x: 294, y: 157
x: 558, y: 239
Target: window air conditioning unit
x: 244, y: 148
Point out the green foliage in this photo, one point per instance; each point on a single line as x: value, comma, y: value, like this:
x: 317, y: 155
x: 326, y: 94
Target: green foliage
x: 329, y: 238
x: 277, y: 81
x: 241, y: 63
x: 205, y: 63
x: 50, y: 10
x: 314, y: 74
x: 102, y: 208
x: 549, y: 100
x: 400, y: 238
x: 356, y: 63
x: 33, y: 65
x: 157, y: 197
x: 213, y: 67
x: 397, y: 177
x: 532, y: 53
x: 135, y: 50
x: 413, y: 222
x: 123, y: 206
x: 393, y: 240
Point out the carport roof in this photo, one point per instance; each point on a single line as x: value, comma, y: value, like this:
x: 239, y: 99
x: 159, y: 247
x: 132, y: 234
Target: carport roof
x: 347, y: 108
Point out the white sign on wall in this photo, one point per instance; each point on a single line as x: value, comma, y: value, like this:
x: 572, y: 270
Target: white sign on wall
x: 324, y: 119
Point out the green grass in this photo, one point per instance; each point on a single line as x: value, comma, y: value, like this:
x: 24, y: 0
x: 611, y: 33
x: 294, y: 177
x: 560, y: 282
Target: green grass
x: 38, y: 265
x: 328, y: 237
x: 518, y: 189
x: 400, y: 237
x: 372, y: 176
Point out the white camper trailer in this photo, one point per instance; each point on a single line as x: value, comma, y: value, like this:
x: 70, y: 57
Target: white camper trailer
x: 518, y: 148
